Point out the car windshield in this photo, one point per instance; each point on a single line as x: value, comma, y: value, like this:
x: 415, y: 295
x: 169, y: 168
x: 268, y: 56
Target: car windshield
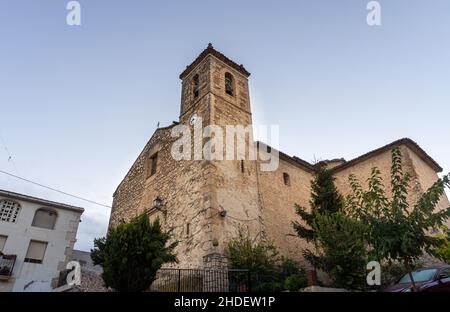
x: 419, y: 276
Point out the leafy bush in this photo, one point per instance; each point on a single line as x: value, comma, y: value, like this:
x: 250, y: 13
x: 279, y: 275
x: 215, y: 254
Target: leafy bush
x: 294, y: 282
x: 443, y: 250
x: 273, y: 286
x: 247, y: 252
x: 341, y: 250
x: 132, y: 253
x: 268, y: 271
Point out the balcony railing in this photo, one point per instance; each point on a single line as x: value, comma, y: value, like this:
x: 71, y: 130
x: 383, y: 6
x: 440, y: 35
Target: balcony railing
x: 6, y: 266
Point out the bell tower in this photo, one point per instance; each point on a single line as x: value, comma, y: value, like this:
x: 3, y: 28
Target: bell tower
x: 215, y: 89
x: 212, y: 86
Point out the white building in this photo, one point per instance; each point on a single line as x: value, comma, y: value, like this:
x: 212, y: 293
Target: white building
x: 36, y: 241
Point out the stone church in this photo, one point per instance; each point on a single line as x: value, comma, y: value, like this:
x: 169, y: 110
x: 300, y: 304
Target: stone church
x: 205, y: 201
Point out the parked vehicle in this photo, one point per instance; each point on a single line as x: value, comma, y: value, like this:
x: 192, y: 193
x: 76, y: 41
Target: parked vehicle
x: 432, y: 279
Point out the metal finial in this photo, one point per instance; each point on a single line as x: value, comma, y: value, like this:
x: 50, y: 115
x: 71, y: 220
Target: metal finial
x: 210, y: 46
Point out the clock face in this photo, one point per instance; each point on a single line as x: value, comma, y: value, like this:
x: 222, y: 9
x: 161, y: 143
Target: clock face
x: 193, y: 119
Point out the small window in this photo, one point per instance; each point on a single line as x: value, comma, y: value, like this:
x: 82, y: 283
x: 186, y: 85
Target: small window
x: 152, y: 165
x: 242, y: 166
x: 36, y: 252
x: 196, y: 86
x: 188, y: 230
x: 286, y: 179
x: 9, y: 210
x: 45, y: 218
x: 2, y: 241
x: 229, y: 84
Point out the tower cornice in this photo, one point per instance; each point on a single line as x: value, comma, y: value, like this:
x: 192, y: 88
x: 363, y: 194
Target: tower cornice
x: 211, y: 51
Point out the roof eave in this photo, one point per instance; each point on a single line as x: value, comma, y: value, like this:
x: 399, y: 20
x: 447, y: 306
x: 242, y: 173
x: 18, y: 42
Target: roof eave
x: 40, y: 201
x: 211, y: 51
x: 404, y: 141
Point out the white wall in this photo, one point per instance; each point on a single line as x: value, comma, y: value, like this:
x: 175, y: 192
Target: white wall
x: 34, y: 276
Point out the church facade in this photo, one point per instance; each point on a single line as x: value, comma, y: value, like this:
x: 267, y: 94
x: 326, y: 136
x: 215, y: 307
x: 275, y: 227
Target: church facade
x: 205, y: 201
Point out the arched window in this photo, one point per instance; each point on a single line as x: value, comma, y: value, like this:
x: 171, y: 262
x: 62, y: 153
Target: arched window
x: 196, y: 85
x: 45, y: 218
x: 229, y: 84
x: 286, y: 179
x: 9, y: 210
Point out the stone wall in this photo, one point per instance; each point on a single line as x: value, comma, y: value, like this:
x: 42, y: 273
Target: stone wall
x: 422, y: 175
x: 278, y: 206
x: 362, y: 171
x: 184, y: 190
x: 425, y: 178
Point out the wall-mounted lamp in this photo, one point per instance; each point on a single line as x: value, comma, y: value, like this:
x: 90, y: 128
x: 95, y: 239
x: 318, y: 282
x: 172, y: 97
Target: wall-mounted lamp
x: 158, y: 204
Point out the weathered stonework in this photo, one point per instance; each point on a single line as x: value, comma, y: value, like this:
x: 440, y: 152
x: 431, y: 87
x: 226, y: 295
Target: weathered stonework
x: 204, y: 202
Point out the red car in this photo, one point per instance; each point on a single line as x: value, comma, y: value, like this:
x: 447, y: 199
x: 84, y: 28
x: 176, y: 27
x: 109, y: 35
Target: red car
x: 432, y: 279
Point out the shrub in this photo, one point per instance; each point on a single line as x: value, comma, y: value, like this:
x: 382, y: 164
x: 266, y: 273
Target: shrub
x: 268, y: 271
x: 132, y: 253
x: 294, y: 282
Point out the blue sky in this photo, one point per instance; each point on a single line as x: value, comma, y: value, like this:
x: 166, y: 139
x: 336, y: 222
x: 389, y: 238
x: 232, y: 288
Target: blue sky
x: 79, y: 103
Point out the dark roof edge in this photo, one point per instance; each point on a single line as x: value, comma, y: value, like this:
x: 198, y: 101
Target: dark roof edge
x: 41, y: 201
x: 291, y: 159
x: 404, y: 141
x: 210, y: 50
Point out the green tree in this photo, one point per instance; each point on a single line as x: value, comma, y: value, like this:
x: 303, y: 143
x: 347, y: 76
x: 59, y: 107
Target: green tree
x: 397, y: 232
x: 340, y: 250
x: 337, y: 245
x: 325, y: 198
x: 132, y: 253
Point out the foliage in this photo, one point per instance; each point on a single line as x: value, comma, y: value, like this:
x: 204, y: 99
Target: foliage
x: 132, y: 253
x: 443, y: 250
x: 396, y: 231
x: 269, y: 272
x: 325, y: 198
x: 247, y: 252
x: 289, y: 267
x: 267, y: 284
x: 294, y: 282
x: 288, y: 275
x: 292, y: 275
x: 341, y: 250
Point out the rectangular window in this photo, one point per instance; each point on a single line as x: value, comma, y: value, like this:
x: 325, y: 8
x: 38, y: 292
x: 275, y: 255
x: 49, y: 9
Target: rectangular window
x: 2, y: 242
x: 152, y: 165
x: 36, y: 252
x: 188, y: 230
x: 286, y: 179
